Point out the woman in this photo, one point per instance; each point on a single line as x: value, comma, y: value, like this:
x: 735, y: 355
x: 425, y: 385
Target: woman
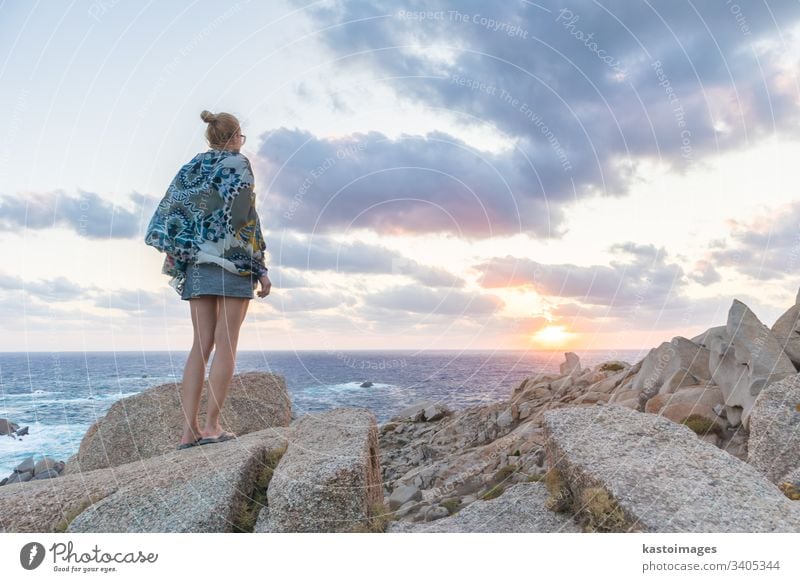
x: 208, y: 227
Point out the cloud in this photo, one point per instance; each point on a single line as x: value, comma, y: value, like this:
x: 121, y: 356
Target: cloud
x: 86, y: 213
x: 645, y: 279
x: 323, y: 253
x: 410, y: 185
x: 766, y: 247
x: 599, y: 87
x: 415, y: 299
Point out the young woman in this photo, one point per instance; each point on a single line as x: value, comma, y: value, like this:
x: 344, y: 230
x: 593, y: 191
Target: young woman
x: 208, y: 227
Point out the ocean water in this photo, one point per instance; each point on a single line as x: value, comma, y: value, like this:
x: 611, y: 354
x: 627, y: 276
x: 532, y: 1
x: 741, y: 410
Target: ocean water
x: 59, y: 395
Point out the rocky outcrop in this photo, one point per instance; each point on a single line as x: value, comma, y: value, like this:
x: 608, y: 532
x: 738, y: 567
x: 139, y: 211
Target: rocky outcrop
x: 745, y: 359
x: 786, y: 330
x: 774, y: 444
x: 620, y: 470
x: 572, y: 365
x: 424, y: 411
x: 671, y: 366
x: 151, y: 423
x: 30, y: 468
x: 520, y: 509
x: 329, y: 480
x: 695, y: 406
x: 210, y: 488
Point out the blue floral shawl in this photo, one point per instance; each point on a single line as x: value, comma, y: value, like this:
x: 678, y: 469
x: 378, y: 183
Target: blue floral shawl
x: 209, y: 215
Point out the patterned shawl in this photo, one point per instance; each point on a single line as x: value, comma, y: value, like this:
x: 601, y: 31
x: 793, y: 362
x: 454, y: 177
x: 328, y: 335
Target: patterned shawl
x: 208, y: 215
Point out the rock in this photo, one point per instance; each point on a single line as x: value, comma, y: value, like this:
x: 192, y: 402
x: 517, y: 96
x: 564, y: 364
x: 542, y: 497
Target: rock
x: 746, y: 358
x: 150, y: 423
x: 414, y: 413
x: 366, y: 385
x: 329, y: 480
x: 435, y: 512
x: 405, y: 509
x: 201, y: 489
x: 734, y: 415
x: 693, y: 406
x: 7, y: 427
x: 19, y: 477
x: 786, y: 330
x: 22, y: 432
x: 474, y: 426
x: 402, y: 495
x: 622, y: 470
x: 45, y: 464
x: 572, y: 364
x: 435, y: 412
x: 672, y: 365
x: 774, y: 443
x: 215, y: 493
x: 520, y: 509
x: 26, y: 466
x: 46, y: 474
x: 704, y: 339
x: 423, y: 411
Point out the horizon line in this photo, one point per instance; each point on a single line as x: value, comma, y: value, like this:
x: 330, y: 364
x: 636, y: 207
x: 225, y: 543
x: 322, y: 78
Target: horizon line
x: 334, y: 351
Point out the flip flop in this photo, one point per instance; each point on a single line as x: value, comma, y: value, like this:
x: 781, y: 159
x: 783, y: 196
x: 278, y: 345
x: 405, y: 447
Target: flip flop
x: 225, y: 436
x: 187, y: 445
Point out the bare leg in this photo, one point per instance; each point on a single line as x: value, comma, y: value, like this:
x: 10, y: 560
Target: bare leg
x: 204, y: 321
x: 226, y: 338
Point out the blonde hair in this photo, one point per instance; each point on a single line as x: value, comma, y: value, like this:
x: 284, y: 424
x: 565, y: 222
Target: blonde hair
x: 221, y: 128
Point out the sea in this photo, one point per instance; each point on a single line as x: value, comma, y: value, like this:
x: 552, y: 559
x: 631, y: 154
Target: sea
x: 59, y: 395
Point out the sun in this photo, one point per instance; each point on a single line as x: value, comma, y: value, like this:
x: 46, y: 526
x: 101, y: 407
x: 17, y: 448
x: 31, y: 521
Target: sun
x: 552, y: 335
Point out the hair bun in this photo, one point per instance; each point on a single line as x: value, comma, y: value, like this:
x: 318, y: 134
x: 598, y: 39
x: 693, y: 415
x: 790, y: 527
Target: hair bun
x: 207, y: 116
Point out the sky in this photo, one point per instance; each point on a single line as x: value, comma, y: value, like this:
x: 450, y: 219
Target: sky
x: 429, y: 175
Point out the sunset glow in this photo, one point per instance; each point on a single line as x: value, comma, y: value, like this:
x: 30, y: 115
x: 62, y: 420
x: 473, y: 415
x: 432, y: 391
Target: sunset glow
x: 552, y: 336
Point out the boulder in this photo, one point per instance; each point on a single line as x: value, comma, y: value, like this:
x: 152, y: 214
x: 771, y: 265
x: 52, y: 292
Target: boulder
x: 7, y: 427
x: 672, y: 365
x: 402, y: 495
x: 475, y: 425
x: 151, y: 423
x: 26, y: 466
x: 47, y: 463
x: 329, y: 480
x: 207, y: 488
x: 620, y: 470
x: 704, y: 339
x: 774, y: 443
x: 745, y: 359
x: 786, y: 330
x: 414, y: 413
x: 520, y: 509
x: 571, y: 365
x: 693, y: 406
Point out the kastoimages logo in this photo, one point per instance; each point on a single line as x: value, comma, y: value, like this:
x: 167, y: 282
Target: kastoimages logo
x: 31, y: 555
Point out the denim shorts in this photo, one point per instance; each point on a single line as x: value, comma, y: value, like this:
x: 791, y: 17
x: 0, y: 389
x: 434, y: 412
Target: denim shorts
x: 212, y: 279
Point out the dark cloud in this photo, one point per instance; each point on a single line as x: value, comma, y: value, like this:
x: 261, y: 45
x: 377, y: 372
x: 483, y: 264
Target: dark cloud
x: 86, y: 213
x: 414, y: 184
x: 588, y: 90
